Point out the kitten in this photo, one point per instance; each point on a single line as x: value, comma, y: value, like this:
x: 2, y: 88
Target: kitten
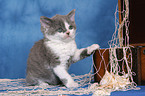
x: 51, y: 57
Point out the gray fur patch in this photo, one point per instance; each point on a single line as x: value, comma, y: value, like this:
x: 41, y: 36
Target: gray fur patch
x: 84, y: 54
x: 39, y: 58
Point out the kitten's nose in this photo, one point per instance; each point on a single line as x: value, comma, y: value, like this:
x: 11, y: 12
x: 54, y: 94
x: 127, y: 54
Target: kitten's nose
x: 67, y: 32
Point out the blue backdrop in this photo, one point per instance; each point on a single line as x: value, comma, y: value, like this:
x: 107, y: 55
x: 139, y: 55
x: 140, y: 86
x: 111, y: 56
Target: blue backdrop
x: 20, y: 28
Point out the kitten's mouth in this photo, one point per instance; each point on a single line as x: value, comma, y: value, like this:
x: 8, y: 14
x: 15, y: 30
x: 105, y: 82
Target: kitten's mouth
x: 67, y: 36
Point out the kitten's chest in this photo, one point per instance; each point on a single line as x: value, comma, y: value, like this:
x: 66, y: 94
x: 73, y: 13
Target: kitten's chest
x: 63, y: 50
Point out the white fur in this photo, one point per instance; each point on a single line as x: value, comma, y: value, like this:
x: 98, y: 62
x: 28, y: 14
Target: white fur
x: 66, y: 25
x: 92, y: 48
x: 64, y: 51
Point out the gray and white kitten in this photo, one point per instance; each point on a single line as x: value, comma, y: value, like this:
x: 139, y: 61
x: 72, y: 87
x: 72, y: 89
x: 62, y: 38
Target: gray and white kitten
x: 51, y: 57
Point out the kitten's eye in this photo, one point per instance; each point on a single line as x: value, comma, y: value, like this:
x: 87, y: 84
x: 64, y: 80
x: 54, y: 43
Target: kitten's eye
x: 70, y: 27
x: 60, y: 30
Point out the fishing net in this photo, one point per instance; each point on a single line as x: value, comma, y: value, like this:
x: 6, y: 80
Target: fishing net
x: 119, y: 77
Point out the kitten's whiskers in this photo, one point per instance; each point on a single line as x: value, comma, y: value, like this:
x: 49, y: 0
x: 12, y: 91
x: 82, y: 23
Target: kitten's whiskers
x: 73, y: 37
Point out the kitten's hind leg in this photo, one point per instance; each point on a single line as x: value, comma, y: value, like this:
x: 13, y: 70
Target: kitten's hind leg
x: 31, y: 81
x: 64, y: 76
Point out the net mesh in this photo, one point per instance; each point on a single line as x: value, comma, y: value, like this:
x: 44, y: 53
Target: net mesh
x: 119, y: 76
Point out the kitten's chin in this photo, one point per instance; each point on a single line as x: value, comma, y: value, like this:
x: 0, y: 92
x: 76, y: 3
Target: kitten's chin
x: 67, y: 39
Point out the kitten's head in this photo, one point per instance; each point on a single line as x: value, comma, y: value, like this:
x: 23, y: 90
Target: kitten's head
x: 59, y: 27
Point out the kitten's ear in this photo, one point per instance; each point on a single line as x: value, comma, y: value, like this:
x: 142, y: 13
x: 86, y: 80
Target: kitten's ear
x: 71, y: 15
x: 45, y: 21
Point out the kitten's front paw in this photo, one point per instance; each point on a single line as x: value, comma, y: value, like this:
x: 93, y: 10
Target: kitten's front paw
x: 72, y: 85
x: 93, y: 48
